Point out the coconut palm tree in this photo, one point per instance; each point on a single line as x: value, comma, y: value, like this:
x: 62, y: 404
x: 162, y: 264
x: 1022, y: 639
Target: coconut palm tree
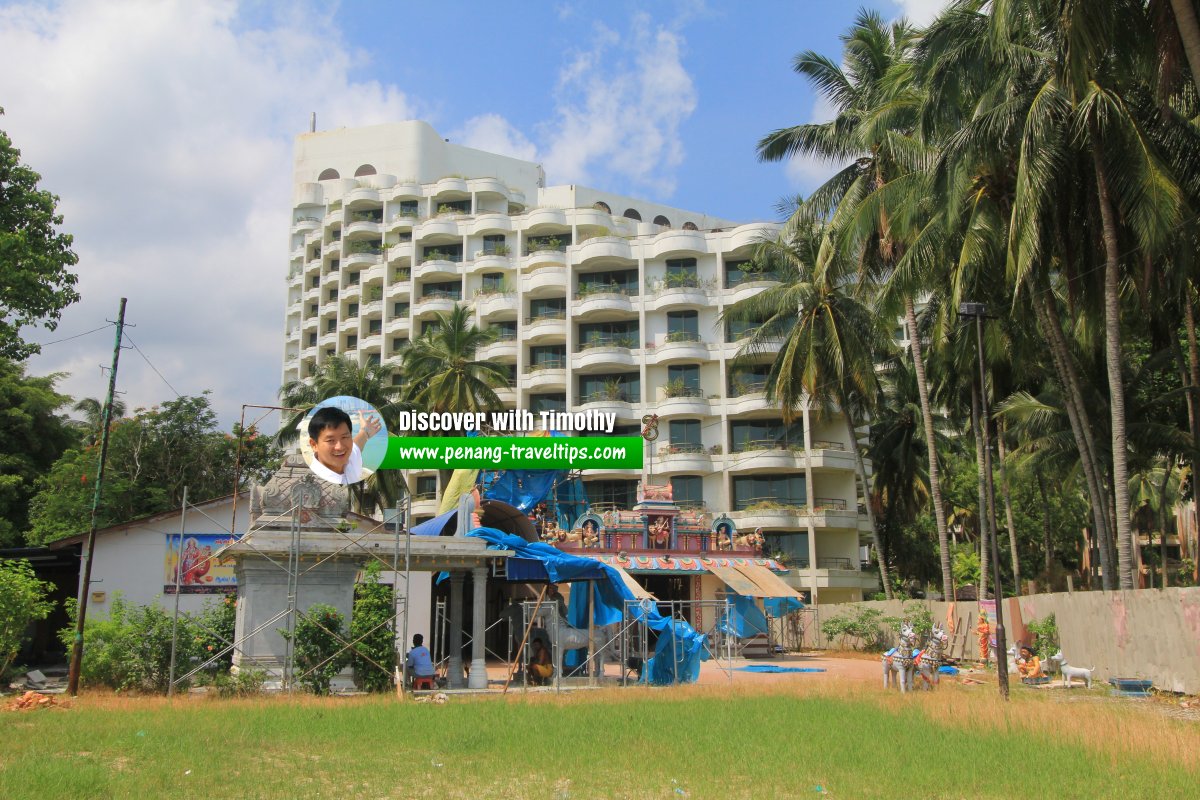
x: 93, y: 415
x: 830, y: 341
x: 869, y: 200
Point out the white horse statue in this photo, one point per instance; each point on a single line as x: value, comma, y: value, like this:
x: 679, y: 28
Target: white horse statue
x: 900, y: 659
x: 929, y: 659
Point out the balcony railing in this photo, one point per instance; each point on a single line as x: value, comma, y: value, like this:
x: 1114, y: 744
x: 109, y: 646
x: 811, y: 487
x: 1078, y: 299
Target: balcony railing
x: 829, y: 504
x: 835, y: 563
x: 740, y: 388
x: 437, y: 255
x: 624, y: 341
x: 438, y: 294
x: 682, y: 336
x: 546, y: 315
x: 785, y: 504
x: 681, y: 448
x: 550, y: 363
x: 597, y: 290
x: 751, y: 445
x: 824, y: 444
x: 750, y: 277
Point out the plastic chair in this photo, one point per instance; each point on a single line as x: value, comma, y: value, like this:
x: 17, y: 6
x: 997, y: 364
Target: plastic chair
x: 422, y: 682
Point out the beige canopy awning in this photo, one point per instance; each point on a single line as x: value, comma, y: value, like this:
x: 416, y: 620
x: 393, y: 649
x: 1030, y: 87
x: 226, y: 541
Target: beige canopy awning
x: 638, y: 590
x: 770, y: 583
x: 738, y: 582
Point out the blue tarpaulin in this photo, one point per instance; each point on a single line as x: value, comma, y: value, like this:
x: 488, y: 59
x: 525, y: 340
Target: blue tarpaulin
x: 745, y: 618
x: 779, y: 606
x: 435, y: 526
x: 609, y: 594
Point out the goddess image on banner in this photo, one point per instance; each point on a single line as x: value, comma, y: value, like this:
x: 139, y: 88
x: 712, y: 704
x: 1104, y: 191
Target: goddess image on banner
x: 197, y: 570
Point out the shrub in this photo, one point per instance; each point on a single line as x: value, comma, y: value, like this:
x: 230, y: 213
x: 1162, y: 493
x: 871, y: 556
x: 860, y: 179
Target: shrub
x: 318, y: 647
x: 865, y: 626
x: 22, y: 601
x: 245, y: 682
x: 1045, y: 636
x: 372, y: 631
x: 216, y: 632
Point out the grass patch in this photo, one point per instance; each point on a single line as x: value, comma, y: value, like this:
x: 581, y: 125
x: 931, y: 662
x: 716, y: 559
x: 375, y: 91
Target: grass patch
x: 753, y: 742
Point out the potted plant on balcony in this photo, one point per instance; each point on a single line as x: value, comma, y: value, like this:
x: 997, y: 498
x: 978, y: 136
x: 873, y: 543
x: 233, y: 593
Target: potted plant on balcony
x: 501, y: 250
x: 614, y: 389
x: 678, y: 388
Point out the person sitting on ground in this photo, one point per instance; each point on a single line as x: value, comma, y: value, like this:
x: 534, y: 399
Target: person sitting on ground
x: 1029, y: 665
x: 418, y: 663
x: 540, y: 666
x: 337, y: 451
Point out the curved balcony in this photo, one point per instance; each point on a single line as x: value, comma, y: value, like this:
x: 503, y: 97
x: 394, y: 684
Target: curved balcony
x: 402, y: 222
x: 546, y: 327
x: 598, y: 356
x: 362, y: 194
x: 675, y: 459
x: 373, y: 274
x: 752, y: 234
x: 397, y: 325
x: 352, y: 291
x: 371, y: 341
x: 493, y: 303
x: 348, y: 325
x: 450, y: 185
x: 430, y: 305
x: 684, y: 405
x: 681, y: 350
x: 306, y: 224
x: 547, y: 280
x: 437, y: 268
x: 310, y: 322
x: 765, y: 457
x: 297, y: 254
x: 500, y: 350
x: 489, y: 262
x: 591, y: 218
x: 491, y: 222
x: 544, y: 378
x: 400, y: 286
x: 361, y: 258
x: 424, y: 504
x: 330, y: 309
x: 506, y: 395
x: 334, y: 217
x: 680, y: 242
x: 331, y: 279
x: 610, y: 248
x: 594, y: 303
x: 436, y: 226
x: 539, y: 217
x: 516, y: 196
x: 680, y: 297
x: 332, y: 248
x: 766, y: 517
x: 733, y: 349
x: 622, y: 408
x: 362, y: 228
x: 401, y: 253
x: 540, y: 259
x: 406, y: 191
x: 746, y: 403
x: 488, y: 186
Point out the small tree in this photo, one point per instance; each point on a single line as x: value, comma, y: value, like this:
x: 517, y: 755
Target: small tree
x: 372, y: 631
x: 22, y: 601
x: 318, y: 647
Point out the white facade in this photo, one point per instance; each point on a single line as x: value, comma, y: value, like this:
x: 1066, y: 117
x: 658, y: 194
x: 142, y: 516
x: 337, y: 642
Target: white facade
x: 602, y: 301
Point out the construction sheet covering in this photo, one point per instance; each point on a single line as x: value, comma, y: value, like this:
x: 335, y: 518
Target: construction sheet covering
x: 680, y: 648
x: 768, y: 582
x: 738, y: 582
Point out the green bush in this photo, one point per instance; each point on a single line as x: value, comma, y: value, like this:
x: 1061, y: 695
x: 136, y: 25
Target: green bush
x: 372, y: 630
x: 246, y: 682
x: 919, y: 616
x: 1045, y: 634
x: 865, y: 627
x: 318, y: 647
x: 22, y: 601
x: 130, y: 648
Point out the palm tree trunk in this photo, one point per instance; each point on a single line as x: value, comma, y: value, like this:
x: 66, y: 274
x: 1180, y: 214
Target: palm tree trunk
x: 935, y: 481
x: 1008, y: 512
x: 861, y: 468
x: 1112, y: 346
x: 1080, y: 423
x: 1047, y: 545
x: 1168, y: 468
x: 1189, y: 34
x: 984, y: 518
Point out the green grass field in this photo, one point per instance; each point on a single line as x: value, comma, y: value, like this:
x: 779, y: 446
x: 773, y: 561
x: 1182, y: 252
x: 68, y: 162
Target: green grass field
x: 699, y: 742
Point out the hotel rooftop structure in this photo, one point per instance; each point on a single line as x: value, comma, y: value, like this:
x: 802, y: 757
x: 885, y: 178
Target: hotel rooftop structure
x: 599, y: 301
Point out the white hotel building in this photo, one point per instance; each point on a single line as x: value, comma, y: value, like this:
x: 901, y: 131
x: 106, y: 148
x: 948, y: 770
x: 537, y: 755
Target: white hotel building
x: 601, y: 301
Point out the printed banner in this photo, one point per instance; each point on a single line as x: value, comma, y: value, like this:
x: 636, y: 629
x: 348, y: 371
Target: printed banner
x: 200, y: 571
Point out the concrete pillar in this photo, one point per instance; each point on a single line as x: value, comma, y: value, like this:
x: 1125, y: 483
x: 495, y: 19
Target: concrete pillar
x: 478, y: 677
x: 455, y: 670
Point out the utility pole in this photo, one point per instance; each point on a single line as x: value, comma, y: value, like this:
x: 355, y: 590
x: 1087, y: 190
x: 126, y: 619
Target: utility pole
x: 979, y: 311
x: 85, y: 586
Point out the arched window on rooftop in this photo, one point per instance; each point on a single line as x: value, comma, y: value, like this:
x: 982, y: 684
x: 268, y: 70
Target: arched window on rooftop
x: 330, y: 174
x: 631, y: 213
x: 600, y: 205
x: 690, y: 226
x: 661, y: 220
x: 365, y: 169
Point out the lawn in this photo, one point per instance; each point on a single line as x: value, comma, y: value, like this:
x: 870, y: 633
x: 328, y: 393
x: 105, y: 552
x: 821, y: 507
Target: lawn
x: 782, y: 740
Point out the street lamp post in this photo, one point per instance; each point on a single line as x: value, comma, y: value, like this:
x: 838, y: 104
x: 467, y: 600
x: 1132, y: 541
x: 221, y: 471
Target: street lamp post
x: 979, y: 312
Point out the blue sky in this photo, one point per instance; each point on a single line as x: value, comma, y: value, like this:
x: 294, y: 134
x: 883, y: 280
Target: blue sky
x: 167, y: 129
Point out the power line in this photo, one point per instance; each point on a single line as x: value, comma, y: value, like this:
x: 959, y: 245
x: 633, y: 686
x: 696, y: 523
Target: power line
x: 147, y: 360
x: 76, y: 336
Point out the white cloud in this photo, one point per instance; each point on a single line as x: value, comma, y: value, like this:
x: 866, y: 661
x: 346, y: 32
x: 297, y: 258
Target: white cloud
x: 167, y: 130
x: 619, y: 108
x: 920, y: 12
x: 495, y: 134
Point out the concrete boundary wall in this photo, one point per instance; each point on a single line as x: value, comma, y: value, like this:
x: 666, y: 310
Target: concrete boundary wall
x: 1150, y: 634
